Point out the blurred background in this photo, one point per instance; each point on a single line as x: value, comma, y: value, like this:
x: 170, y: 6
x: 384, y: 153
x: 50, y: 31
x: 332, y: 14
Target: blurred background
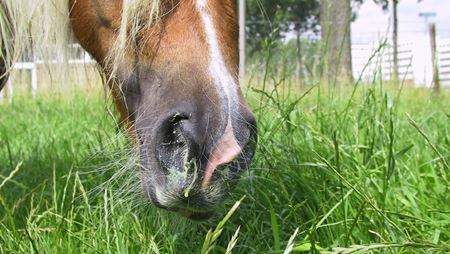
x: 400, y: 40
x: 406, y: 42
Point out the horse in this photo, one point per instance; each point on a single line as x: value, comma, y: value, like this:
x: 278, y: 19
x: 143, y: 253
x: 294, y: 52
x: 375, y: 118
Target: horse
x: 171, y: 67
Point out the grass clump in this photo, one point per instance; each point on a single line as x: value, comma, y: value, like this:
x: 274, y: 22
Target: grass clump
x: 333, y: 173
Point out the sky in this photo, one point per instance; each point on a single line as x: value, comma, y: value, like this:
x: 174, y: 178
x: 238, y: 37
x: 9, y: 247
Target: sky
x: 373, y: 25
x: 372, y: 22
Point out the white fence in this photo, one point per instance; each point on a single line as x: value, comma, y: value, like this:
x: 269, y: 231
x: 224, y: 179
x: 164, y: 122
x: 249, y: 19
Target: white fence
x: 415, y: 61
x: 29, y: 62
x: 371, y: 61
x: 444, y: 62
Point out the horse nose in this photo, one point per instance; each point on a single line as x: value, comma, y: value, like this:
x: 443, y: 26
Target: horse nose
x: 191, y: 142
x: 225, y: 151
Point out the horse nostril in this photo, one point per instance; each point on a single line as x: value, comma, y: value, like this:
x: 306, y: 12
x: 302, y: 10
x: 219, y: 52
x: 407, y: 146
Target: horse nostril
x: 178, y: 117
x: 173, y: 150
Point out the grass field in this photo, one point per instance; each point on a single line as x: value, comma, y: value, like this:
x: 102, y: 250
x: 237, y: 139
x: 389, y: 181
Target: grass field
x: 334, y: 172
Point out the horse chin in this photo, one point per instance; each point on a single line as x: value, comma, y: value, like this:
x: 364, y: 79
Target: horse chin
x: 179, y: 188
x: 186, y: 197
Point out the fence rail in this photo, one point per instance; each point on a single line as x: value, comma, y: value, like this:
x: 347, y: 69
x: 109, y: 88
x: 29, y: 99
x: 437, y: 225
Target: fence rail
x: 369, y: 61
x: 414, y: 61
x: 444, y: 62
x: 30, y: 62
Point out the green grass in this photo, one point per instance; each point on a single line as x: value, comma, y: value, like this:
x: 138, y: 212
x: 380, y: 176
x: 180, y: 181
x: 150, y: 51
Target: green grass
x: 368, y: 172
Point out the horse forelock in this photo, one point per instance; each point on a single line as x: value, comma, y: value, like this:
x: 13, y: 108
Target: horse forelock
x: 37, y: 29
x: 137, y: 16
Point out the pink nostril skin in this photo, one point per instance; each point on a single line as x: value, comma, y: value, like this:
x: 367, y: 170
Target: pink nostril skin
x: 226, y: 150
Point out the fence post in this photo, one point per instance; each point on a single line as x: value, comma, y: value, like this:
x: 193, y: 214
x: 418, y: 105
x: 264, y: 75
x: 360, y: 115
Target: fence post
x: 242, y: 40
x: 33, y: 80
x: 395, y: 41
x: 434, y: 57
x: 9, y: 89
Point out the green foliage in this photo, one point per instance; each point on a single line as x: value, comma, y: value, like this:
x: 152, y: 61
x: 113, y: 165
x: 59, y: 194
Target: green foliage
x: 282, y: 62
x: 385, y: 4
x: 270, y: 20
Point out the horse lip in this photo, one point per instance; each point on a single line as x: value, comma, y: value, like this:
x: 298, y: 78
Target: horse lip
x: 194, y: 213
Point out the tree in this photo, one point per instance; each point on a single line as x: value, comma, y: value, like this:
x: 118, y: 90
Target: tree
x: 271, y: 19
x: 335, y: 21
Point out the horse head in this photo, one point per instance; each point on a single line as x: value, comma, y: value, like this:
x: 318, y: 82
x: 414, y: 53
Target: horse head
x: 172, y: 67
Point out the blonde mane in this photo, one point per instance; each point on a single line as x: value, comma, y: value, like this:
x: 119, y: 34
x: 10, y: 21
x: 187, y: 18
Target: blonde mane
x: 38, y: 27
x: 137, y: 16
x: 43, y: 27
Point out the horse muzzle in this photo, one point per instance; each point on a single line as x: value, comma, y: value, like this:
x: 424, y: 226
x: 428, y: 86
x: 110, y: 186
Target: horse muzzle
x: 192, y: 161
